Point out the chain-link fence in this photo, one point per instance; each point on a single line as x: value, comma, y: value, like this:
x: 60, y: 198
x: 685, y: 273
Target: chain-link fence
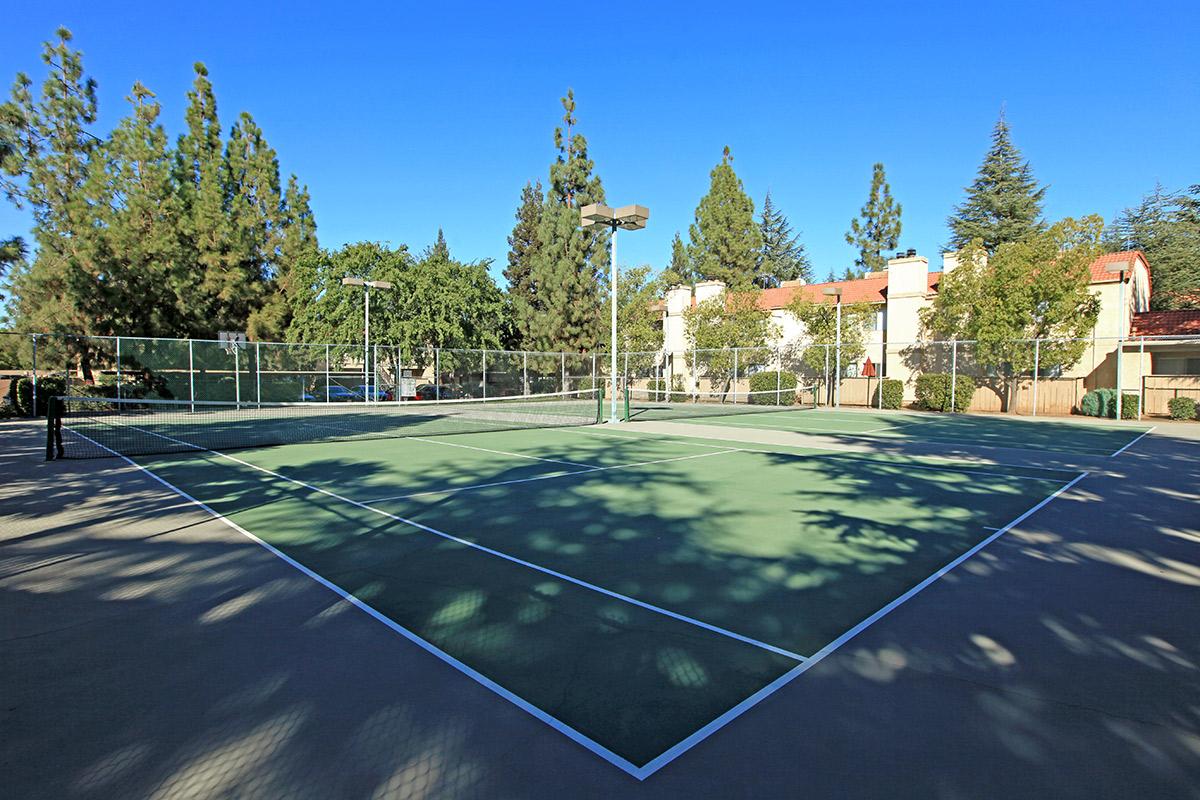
x: 1029, y: 377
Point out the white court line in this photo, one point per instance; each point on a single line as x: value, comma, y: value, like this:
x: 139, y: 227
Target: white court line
x: 548, y: 476
x: 682, y: 747
x: 432, y: 649
x: 964, y: 469
x: 498, y: 452
x: 491, y: 551
x: 1131, y: 444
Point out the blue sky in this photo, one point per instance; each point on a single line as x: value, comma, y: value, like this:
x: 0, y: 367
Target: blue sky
x: 402, y: 117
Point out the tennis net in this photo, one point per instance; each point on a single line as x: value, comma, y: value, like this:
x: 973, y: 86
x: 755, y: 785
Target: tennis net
x: 653, y: 404
x: 91, y: 427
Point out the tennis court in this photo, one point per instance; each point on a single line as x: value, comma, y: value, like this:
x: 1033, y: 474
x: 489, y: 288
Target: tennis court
x: 1044, y: 435
x: 635, y: 592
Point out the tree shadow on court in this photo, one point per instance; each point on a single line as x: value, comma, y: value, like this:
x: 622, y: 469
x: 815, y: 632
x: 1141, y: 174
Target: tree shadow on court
x: 171, y: 658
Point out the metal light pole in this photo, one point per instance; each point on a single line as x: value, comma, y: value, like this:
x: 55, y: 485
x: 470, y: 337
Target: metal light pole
x: 368, y: 389
x: 1119, y: 267
x: 836, y: 292
x: 631, y: 218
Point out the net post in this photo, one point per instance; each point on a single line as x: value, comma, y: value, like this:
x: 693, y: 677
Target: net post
x: 237, y: 376
x: 1037, y: 356
x: 624, y: 378
x: 599, y: 404
x: 50, y: 415
x: 118, y: 367
x: 953, y: 374
x: 33, y: 411
x: 257, y: 374
x: 626, y: 415
x: 191, y: 375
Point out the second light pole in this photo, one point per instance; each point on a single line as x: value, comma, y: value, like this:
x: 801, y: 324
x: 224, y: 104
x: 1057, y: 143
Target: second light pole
x: 630, y: 218
x: 369, y: 391
x: 836, y: 292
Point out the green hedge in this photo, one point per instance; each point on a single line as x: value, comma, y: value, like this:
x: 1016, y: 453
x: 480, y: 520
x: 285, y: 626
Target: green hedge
x: 893, y: 393
x: 1182, y: 408
x: 785, y: 382
x: 1102, y: 402
x: 20, y: 394
x: 933, y: 391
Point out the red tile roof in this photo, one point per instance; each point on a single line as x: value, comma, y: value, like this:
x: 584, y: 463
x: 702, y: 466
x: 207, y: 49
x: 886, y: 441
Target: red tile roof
x: 1101, y: 275
x: 1166, y: 323
x: 862, y: 290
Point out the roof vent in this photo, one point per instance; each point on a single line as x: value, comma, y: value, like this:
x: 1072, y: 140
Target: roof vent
x: 912, y: 253
x: 899, y: 254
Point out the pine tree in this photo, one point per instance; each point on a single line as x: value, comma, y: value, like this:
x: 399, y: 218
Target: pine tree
x: 522, y: 247
x: 1165, y: 226
x: 298, y: 240
x: 679, y: 271
x: 783, y: 256
x: 566, y: 269
x: 725, y: 240
x: 877, y: 227
x: 1004, y: 204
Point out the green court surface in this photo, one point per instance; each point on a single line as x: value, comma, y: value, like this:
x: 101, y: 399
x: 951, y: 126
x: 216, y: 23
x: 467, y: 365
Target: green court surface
x: 633, y: 592
x: 1082, y: 438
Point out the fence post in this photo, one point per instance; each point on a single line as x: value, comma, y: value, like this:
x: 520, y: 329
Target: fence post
x: 1141, y: 375
x: 826, y: 386
x: 525, y: 372
x: 624, y: 377
x: 735, y: 373
x: 257, y: 374
x: 879, y: 374
x: 1037, y: 360
x: 118, y: 367
x: 563, y: 358
x: 237, y: 376
x: 191, y: 375
x: 437, y: 373
x: 33, y: 411
x: 778, y: 378
x: 326, y: 373
x: 953, y: 374
x: 483, y: 362
x: 695, y: 378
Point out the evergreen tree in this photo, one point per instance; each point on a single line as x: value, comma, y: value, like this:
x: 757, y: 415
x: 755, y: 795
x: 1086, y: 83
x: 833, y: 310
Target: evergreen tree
x: 1165, y: 226
x: 877, y: 227
x: 725, y: 240
x: 1004, y: 204
x: 298, y: 240
x: 522, y: 246
x: 679, y: 271
x: 566, y: 269
x: 12, y: 254
x: 783, y: 256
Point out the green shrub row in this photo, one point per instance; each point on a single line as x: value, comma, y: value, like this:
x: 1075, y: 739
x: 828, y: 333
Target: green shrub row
x: 659, y: 387
x: 1102, y: 402
x: 20, y: 394
x: 933, y: 391
x: 784, y: 382
x: 1183, y: 408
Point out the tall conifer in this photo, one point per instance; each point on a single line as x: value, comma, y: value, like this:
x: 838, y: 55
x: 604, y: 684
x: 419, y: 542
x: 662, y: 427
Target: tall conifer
x: 876, y: 229
x: 1004, y: 204
x: 783, y: 256
x: 725, y: 239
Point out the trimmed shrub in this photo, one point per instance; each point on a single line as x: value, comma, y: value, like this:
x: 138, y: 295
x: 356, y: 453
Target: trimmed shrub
x: 785, y: 382
x: 20, y: 394
x: 1090, y: 405
x: 1129, y: 406
x: 1108, y: 402
x: 1182, y: 408
x: 893, y: 393
x: 933, y: 391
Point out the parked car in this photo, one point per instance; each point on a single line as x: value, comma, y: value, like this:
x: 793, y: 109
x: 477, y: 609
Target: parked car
x: 429, y: 391
x: 378, y: 394
x: 341, y: 394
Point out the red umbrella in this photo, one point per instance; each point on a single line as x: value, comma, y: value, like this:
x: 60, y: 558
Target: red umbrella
x: 868, y: 369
